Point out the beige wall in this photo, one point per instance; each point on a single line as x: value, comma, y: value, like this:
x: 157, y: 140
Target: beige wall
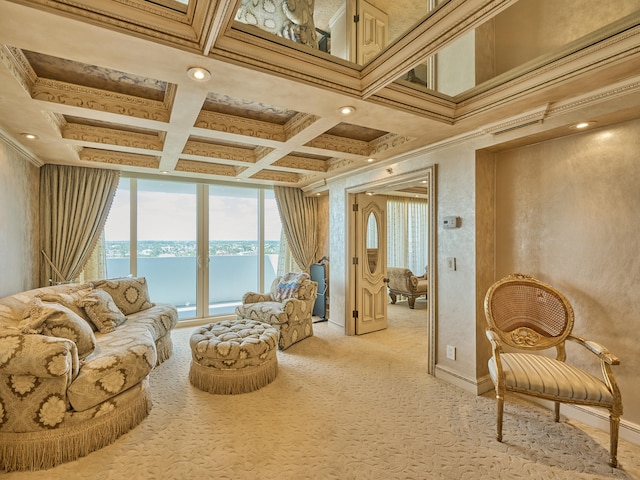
x: 535, y: 27
x: 564, y: 210
x: 19, y: 185
x: 567, y: 212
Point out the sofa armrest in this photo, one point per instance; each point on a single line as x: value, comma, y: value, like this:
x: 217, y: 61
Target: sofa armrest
x: 253, y: 297
x: 38, y: 355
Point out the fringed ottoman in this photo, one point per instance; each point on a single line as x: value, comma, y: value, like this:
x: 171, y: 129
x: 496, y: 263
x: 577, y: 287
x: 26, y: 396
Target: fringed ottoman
x: 233, y: 356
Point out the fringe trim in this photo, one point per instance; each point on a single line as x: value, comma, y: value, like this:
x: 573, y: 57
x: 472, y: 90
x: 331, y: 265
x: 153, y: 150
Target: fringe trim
x: 46, y: 449
x: 164, y: 348
x: 233, y: 381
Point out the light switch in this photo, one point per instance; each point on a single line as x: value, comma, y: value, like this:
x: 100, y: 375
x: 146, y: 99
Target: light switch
x: 451, y: 263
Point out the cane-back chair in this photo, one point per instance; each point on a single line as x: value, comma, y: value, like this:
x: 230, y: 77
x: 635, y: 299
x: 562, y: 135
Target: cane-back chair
x: 528, y: 315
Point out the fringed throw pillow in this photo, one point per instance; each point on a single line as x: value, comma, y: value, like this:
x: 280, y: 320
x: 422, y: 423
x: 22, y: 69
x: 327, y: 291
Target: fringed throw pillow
x: 56, y: 320
x: 102, y: 310
x: 69, y: 300
x: 131, y: 294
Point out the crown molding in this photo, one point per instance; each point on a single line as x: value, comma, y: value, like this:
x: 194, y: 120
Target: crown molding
x: 20, y: 149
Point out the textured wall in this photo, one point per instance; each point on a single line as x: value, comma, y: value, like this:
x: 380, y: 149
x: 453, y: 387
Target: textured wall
x: 535, y: 27
x: 567, y: 212
x: 19, y: 182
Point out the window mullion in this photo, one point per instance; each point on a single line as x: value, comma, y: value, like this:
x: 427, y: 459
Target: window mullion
x: 202, y: 298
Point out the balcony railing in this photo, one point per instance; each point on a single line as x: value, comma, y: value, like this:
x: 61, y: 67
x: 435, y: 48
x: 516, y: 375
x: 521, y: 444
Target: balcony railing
x: 174, y: 279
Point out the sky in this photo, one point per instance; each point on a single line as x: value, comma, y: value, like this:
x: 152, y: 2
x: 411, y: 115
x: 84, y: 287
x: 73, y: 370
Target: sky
x: 171, y: 215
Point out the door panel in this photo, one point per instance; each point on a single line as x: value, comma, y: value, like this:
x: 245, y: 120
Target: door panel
x: 371, y: 265
x: 372, y: 30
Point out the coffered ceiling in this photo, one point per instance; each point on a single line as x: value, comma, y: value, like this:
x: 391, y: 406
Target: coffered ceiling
x: 104, y: 83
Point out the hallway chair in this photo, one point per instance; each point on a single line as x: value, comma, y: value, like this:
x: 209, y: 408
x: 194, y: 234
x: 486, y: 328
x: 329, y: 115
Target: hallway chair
x: 402, y: 281
x: 288, y: 306
x: 527, y: 315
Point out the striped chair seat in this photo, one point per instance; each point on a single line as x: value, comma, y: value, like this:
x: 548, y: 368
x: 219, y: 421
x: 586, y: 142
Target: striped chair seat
x: 551, y: 378
x: 527, y: 315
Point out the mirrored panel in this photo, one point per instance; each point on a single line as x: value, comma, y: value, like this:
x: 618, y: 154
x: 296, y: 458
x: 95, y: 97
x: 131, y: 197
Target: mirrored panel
x: 353, y: 30
x: 525, y: 36
x: 178, y: 5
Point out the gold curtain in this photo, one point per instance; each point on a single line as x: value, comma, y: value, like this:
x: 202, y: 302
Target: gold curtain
x: 407, y: 233
x: 74, y: 204
x: 96, y: 266
x: 299, y: 217
x: 286, y: 263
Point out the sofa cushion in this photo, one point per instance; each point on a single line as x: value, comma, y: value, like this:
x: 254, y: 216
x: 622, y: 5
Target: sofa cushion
x: 159, y: 319
x: 69, y: 300
x: 102, y: 310
x: 121, y: 360
x: 131, y: 294
x: 13, y: 306
x: 56, y: 320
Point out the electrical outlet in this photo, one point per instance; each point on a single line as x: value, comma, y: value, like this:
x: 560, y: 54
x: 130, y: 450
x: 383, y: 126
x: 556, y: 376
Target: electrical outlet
x: 451, y: 352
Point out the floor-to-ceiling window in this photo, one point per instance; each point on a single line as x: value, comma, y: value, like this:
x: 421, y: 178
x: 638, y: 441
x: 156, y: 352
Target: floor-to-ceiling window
x: 200, y: 246
x: 407, y: 233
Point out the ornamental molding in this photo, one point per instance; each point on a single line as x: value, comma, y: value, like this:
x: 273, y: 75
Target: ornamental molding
x: 532, y: 117
x: 101, y: 100
x: 223, y: 152
x: 207, y: 168
x: 119, y: 158
x: 618, y: 90
x: 298, y: 123
x: 525, y: 337
x: 176, y: 27
x: 18, y: 66
x: 302, y: 163
x: 387, y: 142
x: 222, y: 122
x: 340, y: 144
x: 93, y: 134
x: 340, y: 164
x: 276, y: 176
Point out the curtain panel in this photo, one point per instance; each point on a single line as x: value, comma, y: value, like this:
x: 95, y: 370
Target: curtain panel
x: 407, y: 233
x: 74, y: 204
x: 299, y: 217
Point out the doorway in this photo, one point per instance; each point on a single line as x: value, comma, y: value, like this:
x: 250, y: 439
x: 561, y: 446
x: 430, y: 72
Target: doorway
x: 425, y: 178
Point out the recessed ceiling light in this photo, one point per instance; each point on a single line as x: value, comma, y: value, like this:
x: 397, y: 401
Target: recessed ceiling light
x: 371, y: 160
x: 582, y: 125
x: 423, y: 181
x: 199, y: 74
x: 164, y: 172
x: 29, y: 136
x: 346, y: 110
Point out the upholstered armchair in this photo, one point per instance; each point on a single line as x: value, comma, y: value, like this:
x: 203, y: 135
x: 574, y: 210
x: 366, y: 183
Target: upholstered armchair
x: 403, y: 282
x: 526, y: 315
x: 288, y: 306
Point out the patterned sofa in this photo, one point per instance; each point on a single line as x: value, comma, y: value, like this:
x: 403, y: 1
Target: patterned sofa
x: 290, y: 19
x: 403, y: 282
x: 74, y: 366
x: 288, y: 306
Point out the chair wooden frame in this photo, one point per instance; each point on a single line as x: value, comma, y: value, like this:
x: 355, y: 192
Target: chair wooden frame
x: 528, y: 315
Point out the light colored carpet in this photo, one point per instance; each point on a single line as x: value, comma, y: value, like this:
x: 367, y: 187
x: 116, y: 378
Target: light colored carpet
x: 345, y: 408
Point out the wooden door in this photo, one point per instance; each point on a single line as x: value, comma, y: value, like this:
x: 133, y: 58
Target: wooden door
x: 370, y: 264
x: 372, y: 31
